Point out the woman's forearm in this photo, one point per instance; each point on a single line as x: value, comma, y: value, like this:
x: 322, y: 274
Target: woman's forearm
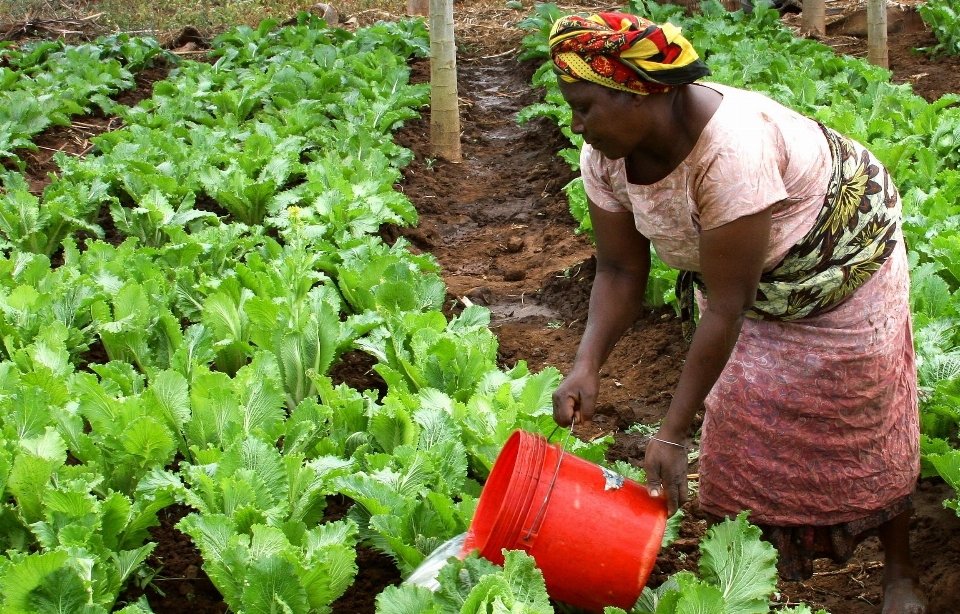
x: 731, y: 259
x: 709, y: 352
x: 615, y: 302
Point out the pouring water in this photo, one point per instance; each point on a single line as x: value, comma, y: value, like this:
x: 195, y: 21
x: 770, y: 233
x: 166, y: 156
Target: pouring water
x: 426, y: 574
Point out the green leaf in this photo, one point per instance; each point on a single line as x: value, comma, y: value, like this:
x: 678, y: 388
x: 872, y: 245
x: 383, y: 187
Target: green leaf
x: 707, y: 599
x: 948, y: 465
x: 229, y: 324
x: 217, y: 418
x: 258, y: 387
x: 32, y: 468
x: 24, y: 575
x: 272, y: 587
x: 519, y: 587
x: 329, y: 562
x: 406, y: 599
x: 672, y: 531
x: 649, y: 600
x: 169, y: 397
x: 146, y: 438
x: 62, y: 592
x: 128, y: 561
x: 392, y: 429
x: 736, y: 560
x: 224, y: 553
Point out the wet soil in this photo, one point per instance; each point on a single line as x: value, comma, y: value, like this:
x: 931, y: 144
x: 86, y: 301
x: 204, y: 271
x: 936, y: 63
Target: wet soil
x: 499, y: 226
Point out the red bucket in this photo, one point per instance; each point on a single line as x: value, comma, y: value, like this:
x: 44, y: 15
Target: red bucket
x: 594, y: 534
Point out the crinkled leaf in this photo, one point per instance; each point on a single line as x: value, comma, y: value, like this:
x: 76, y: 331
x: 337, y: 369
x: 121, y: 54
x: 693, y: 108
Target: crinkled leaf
x: 736, y: 560
x: 272, y: 586
x: 406, y: 599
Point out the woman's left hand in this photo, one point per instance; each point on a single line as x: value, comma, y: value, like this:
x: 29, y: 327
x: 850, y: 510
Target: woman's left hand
x: 666, y: 468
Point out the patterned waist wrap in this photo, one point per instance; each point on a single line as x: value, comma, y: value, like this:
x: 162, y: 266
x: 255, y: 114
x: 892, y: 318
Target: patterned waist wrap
x: 855, y: 232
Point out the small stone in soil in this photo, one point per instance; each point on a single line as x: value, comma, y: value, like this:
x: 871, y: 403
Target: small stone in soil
x: 514, y: 244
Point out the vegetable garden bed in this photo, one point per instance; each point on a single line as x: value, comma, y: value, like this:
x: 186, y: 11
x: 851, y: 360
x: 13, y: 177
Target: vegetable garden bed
x: 501, y: 231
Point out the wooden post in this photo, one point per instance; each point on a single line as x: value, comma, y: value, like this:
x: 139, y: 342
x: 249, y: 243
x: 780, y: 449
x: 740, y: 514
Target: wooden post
x: 877, y: 33
x: 418, y: 7
x: 444, y: 107
x: 813, y: 23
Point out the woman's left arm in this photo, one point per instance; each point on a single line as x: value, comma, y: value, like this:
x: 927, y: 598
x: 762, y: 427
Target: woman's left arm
x: 731, y: 261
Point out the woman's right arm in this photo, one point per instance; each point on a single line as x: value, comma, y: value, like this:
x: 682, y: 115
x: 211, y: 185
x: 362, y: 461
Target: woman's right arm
x: 623, y: 266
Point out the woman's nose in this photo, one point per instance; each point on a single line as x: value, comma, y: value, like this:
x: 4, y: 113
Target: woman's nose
x: 576, y: 124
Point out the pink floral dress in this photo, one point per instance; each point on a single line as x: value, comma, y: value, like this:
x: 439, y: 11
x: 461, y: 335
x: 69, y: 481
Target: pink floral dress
x: 813, y: 421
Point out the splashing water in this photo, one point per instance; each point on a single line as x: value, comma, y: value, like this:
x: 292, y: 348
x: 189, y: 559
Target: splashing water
x: 426, y: 574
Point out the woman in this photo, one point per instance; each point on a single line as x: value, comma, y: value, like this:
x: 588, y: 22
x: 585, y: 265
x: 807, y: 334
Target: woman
x: 803, y: 354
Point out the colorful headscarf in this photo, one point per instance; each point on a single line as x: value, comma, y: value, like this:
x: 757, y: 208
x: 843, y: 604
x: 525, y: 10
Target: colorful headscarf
x: 623, y: 52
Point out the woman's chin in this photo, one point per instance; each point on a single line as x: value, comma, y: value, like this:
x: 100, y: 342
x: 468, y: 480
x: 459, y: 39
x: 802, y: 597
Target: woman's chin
x: 612, y: 155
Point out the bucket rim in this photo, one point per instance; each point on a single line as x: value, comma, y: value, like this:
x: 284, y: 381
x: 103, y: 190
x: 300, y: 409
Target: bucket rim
x: 517, y: 489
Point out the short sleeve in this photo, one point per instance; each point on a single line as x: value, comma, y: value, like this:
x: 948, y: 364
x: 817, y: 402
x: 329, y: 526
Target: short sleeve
x: 595, y: 171
x: 743, y: 174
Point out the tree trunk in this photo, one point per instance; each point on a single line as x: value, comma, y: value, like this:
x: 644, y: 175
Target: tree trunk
x: 877, y: 33
x: 444, y: 109
x: 814, y: 18
x: 418, y: 7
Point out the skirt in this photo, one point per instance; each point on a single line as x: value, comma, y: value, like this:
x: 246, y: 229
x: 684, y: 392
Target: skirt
x: 814, y: 422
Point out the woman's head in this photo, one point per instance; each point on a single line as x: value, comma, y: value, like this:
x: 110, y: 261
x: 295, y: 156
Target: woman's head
x: 601, y: 116
x: 623, y: 52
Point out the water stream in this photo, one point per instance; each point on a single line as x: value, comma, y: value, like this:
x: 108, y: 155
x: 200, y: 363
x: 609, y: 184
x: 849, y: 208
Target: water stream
x: 426, y: 574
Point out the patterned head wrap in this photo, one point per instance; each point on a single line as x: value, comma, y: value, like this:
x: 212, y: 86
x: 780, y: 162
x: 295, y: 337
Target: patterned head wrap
x: 623, y: 52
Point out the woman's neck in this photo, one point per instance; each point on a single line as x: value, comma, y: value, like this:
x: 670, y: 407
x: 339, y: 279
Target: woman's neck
x: 680, y: 118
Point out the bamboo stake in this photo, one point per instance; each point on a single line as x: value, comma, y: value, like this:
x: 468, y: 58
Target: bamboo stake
x: 814, y: 18
x: 877, y: 33
x: 444, y: 110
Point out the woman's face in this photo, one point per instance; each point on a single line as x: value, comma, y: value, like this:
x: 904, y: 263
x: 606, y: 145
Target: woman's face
x: 604, y: 117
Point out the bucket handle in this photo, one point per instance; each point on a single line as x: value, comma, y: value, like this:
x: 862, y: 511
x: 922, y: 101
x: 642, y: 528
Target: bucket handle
x: 538, y: 519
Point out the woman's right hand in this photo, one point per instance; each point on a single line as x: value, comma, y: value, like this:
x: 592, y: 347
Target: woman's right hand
x: 576, y: 397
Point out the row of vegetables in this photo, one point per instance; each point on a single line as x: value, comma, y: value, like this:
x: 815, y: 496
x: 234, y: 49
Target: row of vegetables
x: 172, y: 305
x: 186, y: 360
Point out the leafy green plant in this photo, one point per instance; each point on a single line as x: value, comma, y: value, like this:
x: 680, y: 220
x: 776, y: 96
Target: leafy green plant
x: 251, y: 180
x: 88, y: 541
x: 422, y: 350
x: 40, y: 227
x: 37, y: 302
x: 405, y: 497
x: 257, y: 527
x: 943, y: 17
x: 137, y: 328
x: 373, y: 276
x: 945, y: 461
x: 155, y: 220
x: 474, y: 586
x: 48, y: 81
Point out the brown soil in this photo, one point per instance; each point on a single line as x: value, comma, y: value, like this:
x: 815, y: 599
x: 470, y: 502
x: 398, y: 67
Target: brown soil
x: 499, y: 226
